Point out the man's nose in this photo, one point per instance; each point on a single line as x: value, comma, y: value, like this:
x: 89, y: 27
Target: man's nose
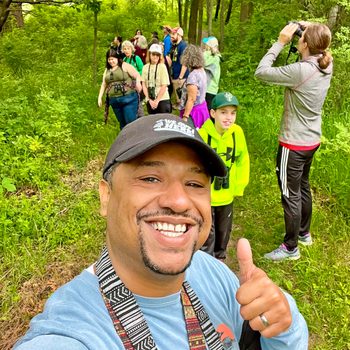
x: 175, y: 197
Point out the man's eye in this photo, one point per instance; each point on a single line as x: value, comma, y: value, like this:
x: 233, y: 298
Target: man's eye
x: 150, y: 179
x: 195, y: 184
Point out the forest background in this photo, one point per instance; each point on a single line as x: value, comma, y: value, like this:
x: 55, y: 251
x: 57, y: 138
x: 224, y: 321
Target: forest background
x: 53, y: 141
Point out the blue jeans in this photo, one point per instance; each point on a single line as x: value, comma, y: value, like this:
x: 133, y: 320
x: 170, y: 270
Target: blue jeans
x: 125, y: 108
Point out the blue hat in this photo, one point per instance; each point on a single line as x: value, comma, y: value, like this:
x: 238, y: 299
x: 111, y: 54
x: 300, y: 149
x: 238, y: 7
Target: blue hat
x: 211, y: 41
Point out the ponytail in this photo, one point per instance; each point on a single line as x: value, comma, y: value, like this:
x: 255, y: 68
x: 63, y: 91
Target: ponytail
x: 325, y: 59
x: 318, y: 38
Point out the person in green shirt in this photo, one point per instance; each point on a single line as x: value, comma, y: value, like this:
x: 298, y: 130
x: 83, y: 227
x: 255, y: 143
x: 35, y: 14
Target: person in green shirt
x: 212, y: 60
x: 227, y: 138
x: 130, y: 57
x: 136, y: 61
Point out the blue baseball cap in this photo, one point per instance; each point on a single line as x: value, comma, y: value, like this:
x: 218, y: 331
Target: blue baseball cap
x: 211, y: 41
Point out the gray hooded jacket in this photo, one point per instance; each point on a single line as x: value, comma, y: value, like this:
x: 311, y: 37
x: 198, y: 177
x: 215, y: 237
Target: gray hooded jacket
x: 306, y: 89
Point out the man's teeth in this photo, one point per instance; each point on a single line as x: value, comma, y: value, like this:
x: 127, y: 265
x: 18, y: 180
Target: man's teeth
x: 170, y: 230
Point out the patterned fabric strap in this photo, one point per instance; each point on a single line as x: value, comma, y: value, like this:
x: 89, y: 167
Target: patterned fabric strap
x: 209, y: 332
x: 124, y: 307
x: 195, y: 336
x: 130, y: 323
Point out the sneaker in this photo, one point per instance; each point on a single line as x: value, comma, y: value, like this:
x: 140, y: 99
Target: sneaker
x: 305, y: 239
x: 282, y: 253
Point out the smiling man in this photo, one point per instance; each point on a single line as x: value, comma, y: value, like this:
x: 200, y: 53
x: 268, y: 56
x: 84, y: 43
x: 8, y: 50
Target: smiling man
x: 152, y: 288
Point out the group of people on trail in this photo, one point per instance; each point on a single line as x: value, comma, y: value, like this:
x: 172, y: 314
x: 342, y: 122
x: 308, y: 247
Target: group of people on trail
x: 167, y: 192
x: 167, y: 68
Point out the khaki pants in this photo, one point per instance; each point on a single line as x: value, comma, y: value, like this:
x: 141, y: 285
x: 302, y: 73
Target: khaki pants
x: 176, y: 84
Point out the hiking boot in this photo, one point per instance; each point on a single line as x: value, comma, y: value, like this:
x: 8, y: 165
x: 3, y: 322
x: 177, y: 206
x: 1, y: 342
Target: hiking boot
x: 282, y: 253
x: 305, y: 239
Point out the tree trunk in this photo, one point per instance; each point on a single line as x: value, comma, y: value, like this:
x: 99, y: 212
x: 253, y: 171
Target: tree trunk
x: 246, y: 10
x: 200, y: 23
x: 94, y: 58
x: 222, y: 23
x: 192, y: 28
x: 185, y: 21
x: 218, y: 2
x: 4, y: 12
x: 229, y: 11
x: 179, y: 5
x: 18, y: 14
x: 245, y: 15
x: 333, y: 16
x: 210, y: 16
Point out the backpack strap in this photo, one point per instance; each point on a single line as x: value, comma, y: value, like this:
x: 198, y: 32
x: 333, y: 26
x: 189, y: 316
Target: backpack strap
x: 133, y: 59
x: 209, y: 140
x: 234, y: 148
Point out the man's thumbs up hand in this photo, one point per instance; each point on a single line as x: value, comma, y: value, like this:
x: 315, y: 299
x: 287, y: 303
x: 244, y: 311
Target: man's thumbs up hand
x: 245, y: 260
x: 263, y: 304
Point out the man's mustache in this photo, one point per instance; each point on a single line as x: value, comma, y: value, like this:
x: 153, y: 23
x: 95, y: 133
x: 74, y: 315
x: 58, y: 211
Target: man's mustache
x: 167, y: 212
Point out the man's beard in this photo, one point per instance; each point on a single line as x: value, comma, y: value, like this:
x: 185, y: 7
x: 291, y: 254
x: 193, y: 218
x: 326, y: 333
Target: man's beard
x: 158, y: 269
x: 145, y: 255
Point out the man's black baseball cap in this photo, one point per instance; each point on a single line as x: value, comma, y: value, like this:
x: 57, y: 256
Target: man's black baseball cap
x: 147, y: 132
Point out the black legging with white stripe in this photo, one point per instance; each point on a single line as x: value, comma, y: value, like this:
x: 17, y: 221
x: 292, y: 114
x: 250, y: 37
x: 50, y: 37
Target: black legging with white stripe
x: 292, y: 170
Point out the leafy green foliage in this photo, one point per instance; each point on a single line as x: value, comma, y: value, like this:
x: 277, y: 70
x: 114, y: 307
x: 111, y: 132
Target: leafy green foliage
x: 124, y: 17
x: 52, y: 141
x: 50, y: 129
x: 7, y: 185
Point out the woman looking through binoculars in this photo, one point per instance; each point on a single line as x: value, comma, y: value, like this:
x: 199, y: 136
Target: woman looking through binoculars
x: 307, y: 83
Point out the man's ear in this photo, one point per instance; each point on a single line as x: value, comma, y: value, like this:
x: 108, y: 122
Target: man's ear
x: 104, y: 191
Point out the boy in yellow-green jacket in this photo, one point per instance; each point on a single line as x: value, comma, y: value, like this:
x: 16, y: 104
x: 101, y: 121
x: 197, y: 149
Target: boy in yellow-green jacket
x: 227, y: 139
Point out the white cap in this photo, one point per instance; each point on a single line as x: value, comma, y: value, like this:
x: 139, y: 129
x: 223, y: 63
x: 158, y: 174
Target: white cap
x: 156, y: 48
x: 178, y: 30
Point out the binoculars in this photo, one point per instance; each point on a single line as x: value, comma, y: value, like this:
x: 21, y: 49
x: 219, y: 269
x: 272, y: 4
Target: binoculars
x: 120, y: 87
x: 222, y: 182
x: 152, y: 93
x: 300, y: 29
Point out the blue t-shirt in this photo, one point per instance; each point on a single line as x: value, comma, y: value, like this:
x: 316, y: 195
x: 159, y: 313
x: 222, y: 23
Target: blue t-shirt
x: 75, y: 316
x: 176, y: 54
x: 167, y: 44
